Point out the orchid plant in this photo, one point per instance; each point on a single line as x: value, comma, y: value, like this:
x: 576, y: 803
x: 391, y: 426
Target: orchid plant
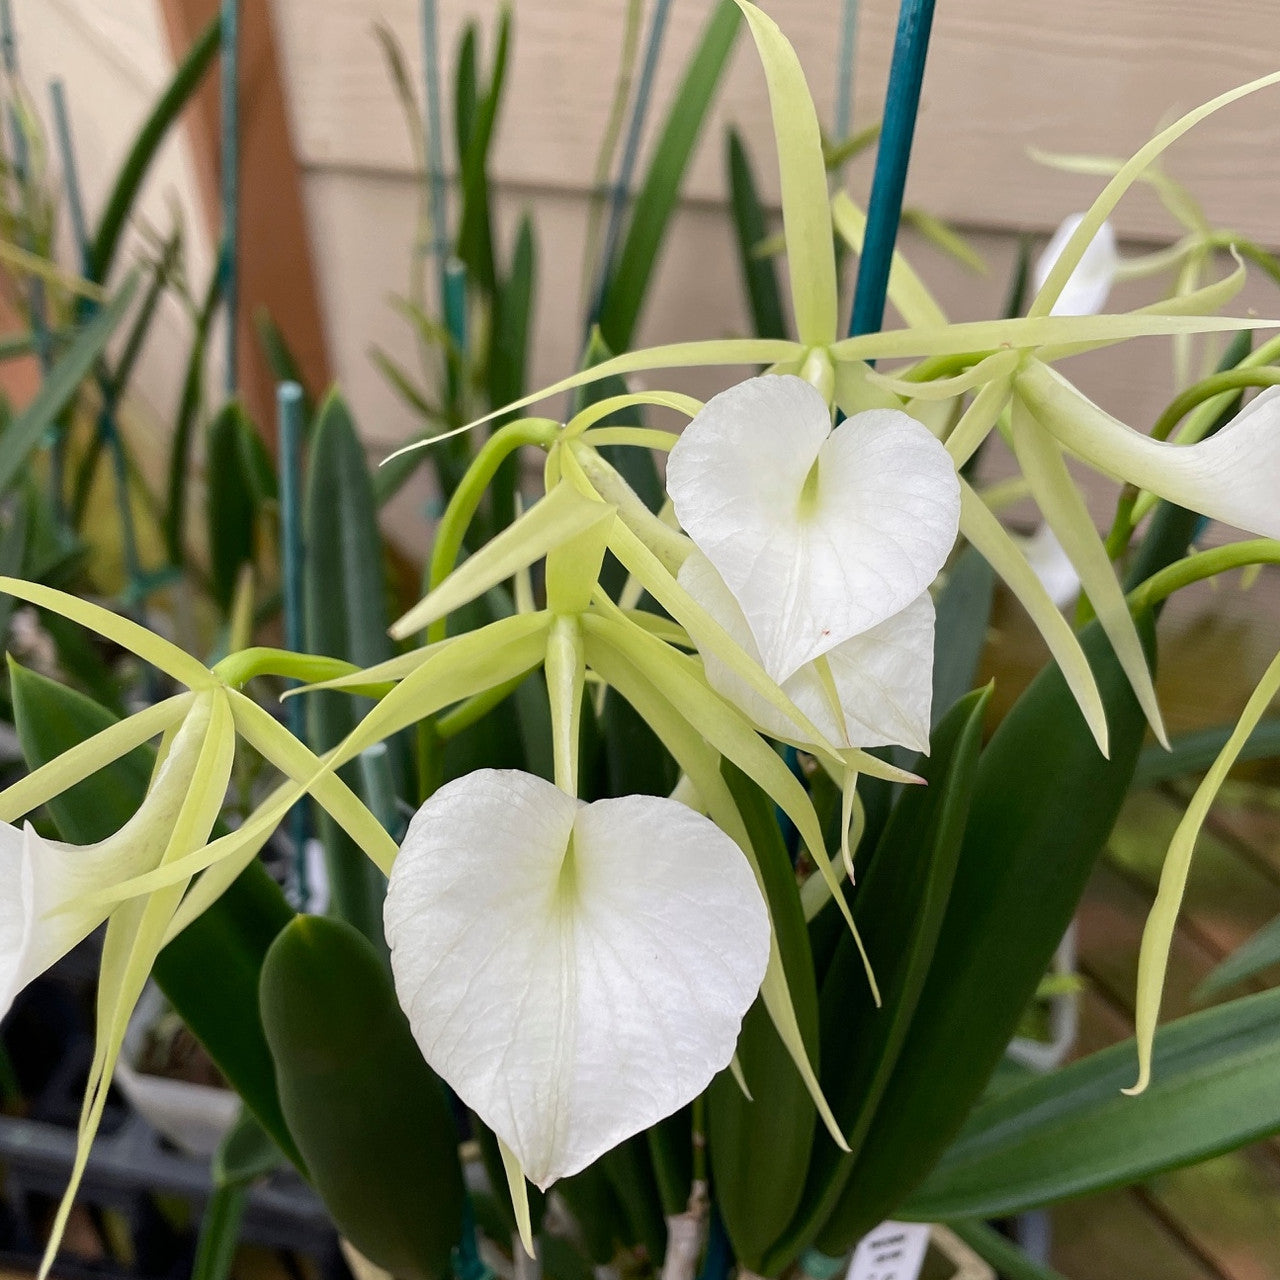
x: 582, y: 968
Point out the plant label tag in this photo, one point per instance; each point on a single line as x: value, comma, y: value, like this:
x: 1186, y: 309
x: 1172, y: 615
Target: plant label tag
x: 893, y: 1251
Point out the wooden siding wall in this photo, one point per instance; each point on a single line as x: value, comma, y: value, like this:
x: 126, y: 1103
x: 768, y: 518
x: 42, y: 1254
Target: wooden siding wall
x: 1089, y: 76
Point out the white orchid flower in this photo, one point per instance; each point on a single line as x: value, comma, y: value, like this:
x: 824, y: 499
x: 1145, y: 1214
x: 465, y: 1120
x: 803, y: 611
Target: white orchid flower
x: 873, y: 690
x: 49, y: 907
x: 575, y: 971
x: 1089, y: 285
x: 819, y: 534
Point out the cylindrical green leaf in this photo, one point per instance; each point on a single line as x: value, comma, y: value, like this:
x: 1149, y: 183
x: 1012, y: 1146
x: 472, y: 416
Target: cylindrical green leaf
x: 368, y: 1114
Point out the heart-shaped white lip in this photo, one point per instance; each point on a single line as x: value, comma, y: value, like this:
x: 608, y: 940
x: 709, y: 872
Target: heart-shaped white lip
x: 819, y: 534
x: 575, y: 971
x: 882, y: 679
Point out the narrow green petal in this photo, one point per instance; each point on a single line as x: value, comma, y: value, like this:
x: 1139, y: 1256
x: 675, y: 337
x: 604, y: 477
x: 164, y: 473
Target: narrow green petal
x: 1042, y: 463
x: 519, y: 1196
x: 1129, y: 173
x: 1044, y: 331
x: 560, y: 516
x: 148, y: 646
x: 994, y: 368
x: 298, y: 762
x: 601, y: 409
x: 977, y: 420
x: 379, y: 677
x: 679, y: 355
x: 134, y: 940
x: 806, y: 213
x: 89, y: 756
x: 1157, y: 936
x: 995, y: 545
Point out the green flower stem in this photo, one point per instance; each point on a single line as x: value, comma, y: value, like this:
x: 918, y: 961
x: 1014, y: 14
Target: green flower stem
x: 1242, y: 376
x: 475, y: 708
x: 1204, y: 564
x: 1214, y: 385
x: 470, y: 491
x: 566, y: 677
x: 237, y: 669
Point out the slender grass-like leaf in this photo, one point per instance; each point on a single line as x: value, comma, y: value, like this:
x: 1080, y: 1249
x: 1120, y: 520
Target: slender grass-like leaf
x: 1194, y: 752
x: 1043, y: 804
x: 759, y: 274
x: 656, y: 200
x: 1010, y: 1262
x: 60, y: 386
x: 280, y: 358
x: 475, y: 135
x: 1072, y: 1132
x: 184, y: 428
x: 168, y: 107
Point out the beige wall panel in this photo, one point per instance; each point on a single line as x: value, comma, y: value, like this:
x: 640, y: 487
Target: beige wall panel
x: 114, y: 59
x: 1085, y: 76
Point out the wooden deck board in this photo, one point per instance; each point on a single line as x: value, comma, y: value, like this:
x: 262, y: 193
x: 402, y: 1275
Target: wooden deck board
x: 1220, y: 1218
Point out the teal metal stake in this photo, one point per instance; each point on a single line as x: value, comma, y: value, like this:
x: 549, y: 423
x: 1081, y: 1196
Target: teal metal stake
x: 289, y: 425
x: 230, y: 249
x: 884, y: 211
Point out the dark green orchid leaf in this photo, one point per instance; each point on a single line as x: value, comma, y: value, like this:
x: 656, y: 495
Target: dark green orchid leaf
x: 760, y: 1147
x: 759, y: 273
x: 345, y: 605
x: 155, y: 128
x: 1071, y: 1133
x: 1043, y: 804
x: 368, y: 1114
x: 232, y: 501
x: 630, y: 273
x: 899, y: 908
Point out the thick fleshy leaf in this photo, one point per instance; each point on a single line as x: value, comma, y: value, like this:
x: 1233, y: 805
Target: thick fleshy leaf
x: 1089, y: 285
x: 576, y: 972
x: 881, y: 678
x: 819, y: 534
x: 1233, y: 476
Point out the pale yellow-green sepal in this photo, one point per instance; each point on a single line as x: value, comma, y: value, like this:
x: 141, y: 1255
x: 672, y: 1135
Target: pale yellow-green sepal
x: 519, y: 1196
x: 678, y: 355
x: 1157, y: 936
x: 908, y: 293
x: 560, y: 516
x: 1046, y: 471
x: 806, y: 214
x: 87, y: 757
x: 129, y: 635
x: 1128, y: 173
x: 995, y: 545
